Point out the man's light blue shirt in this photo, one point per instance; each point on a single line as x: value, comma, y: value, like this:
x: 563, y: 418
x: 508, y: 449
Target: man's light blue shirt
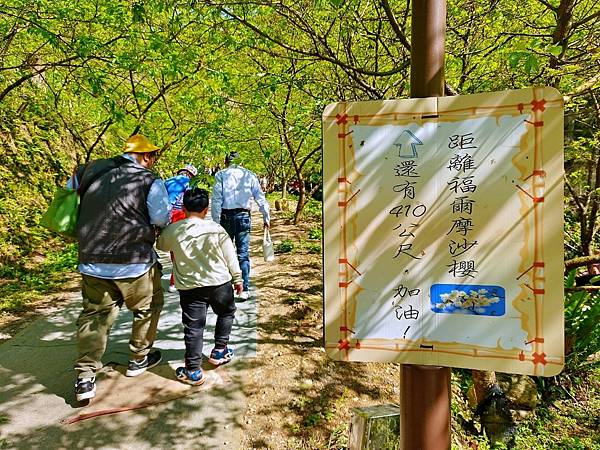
x: 234, y: 188
x: 159, y: 210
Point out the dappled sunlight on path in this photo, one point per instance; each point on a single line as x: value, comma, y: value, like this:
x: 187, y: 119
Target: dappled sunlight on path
x: 37, y: 403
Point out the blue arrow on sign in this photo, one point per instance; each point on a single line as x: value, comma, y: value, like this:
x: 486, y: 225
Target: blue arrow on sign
x: 405, y: 138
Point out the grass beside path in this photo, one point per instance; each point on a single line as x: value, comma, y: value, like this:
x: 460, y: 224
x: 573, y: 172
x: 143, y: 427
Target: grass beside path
x: 42, y: 281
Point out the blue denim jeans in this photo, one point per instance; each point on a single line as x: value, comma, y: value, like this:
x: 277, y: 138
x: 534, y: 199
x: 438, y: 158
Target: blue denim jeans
x: 237, y: 225
x: 194, y: 303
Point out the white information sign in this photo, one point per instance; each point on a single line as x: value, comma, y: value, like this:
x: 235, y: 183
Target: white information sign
x: 443, y: 231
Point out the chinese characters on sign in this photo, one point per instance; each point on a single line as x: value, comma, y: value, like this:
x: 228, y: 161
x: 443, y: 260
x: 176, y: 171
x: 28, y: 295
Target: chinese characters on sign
x: 461, y: 165
x: 437, y: 230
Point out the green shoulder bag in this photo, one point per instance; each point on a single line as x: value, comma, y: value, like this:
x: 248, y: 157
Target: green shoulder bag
x: 63, y: 212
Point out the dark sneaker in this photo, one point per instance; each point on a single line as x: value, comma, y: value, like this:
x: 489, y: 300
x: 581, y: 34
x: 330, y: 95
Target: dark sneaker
x: 219, y: 357
x: 85, y: 388
x: 136, y: 368
x: 193, y: 377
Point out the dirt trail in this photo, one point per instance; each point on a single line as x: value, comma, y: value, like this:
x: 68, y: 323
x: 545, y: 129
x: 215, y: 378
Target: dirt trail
x: 297, y: 397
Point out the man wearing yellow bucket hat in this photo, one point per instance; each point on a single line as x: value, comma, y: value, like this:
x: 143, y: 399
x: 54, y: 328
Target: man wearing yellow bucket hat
x: 122, y: 202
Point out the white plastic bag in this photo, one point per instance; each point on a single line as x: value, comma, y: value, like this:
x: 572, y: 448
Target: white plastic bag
x: 268, y: 252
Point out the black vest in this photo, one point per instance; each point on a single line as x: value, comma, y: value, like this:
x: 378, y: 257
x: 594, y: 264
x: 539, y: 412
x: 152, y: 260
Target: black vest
x: 114, y: 225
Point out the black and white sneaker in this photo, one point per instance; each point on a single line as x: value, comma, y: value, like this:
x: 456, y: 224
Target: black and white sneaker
x: 136, y: 368
x: 85, y: 388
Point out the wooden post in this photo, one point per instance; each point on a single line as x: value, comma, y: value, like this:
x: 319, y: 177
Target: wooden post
x: 425, y: 390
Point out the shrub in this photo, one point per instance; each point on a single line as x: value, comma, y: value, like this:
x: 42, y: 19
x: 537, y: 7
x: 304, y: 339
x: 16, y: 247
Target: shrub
x: 293, y: 299
x: 313, y: 209
x: 582, y: 314
x: 315, y: 233
x: 285, y: 246
x: 313, y: 248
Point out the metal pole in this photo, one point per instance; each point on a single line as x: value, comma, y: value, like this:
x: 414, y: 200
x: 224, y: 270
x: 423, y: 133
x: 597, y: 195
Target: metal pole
x: 425, y: 390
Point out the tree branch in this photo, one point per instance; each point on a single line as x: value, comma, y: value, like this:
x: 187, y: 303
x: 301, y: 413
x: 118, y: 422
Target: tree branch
x: 313, y: 54
x: 35, y: 72
x: 581, y: 261
x: 549, y: 6
x: 586, y: 19
x: 109, y: 122
x: 576, y: 198
x: 395, y: 26
x: 582, y: 288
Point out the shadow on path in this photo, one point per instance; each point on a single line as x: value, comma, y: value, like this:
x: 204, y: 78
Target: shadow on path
x: 37, y: 384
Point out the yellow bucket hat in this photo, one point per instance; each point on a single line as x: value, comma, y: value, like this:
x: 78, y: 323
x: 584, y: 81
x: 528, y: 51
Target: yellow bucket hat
x: 139, y: 144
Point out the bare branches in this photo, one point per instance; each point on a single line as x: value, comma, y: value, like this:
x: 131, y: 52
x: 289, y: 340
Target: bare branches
x: 318, y: 42
x: 549, y: 5
x: 394, y: 24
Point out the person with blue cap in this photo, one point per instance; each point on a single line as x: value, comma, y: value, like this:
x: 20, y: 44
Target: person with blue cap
x: 176, y: 187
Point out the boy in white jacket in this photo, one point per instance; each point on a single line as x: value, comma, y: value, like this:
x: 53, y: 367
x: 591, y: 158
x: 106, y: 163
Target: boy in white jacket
x: 205, y: 266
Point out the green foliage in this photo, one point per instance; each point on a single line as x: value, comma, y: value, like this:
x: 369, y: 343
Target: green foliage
x: 28, y: 178
x: 203, y: 181
x: 582, y: 315
x: 313, y: 248
x: 312, y: 419
x: 561, y: 426
x: 293, y: 299
x: 285, y: 246
x: 313, y: 413
x: 581, y: 154
x: 79, y: 77
x: 315, y: 233
x: 339, y: 437
x: 557, y: 423
x: 384, y: 433
x: 313, y: 210
x: 299, y: 402
x: 64, y: 260
x: 25, y: 285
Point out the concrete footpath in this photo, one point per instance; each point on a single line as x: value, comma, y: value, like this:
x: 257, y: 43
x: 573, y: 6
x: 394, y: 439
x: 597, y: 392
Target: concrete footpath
x: 37, y: 402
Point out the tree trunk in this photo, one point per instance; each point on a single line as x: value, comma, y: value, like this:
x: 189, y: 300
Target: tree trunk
x: 301, y: 202
x: 560, y: 36
x: 493, y: 408
x: 482, y: 382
